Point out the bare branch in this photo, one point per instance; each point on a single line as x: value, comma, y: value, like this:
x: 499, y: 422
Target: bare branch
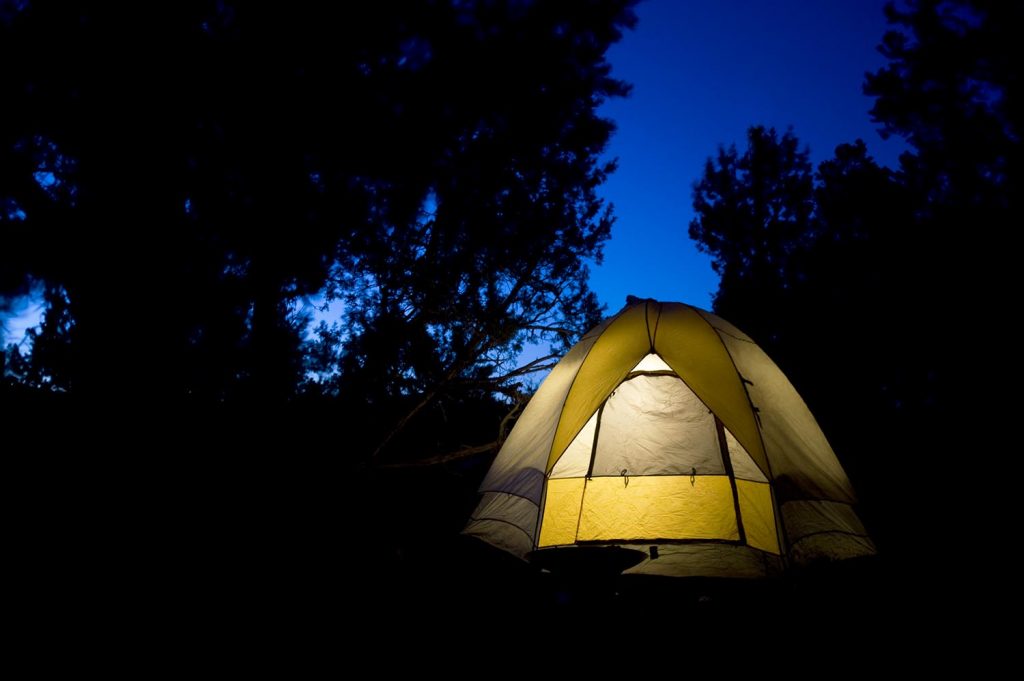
x: 463, y: 453
x: 554, y: 329
x: 531, y: 368
x: 467, y: 452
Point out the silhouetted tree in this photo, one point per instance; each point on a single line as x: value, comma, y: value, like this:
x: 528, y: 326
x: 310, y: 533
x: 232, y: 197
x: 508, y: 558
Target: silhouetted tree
x: 862, y: 314
x: 49, y: 346
x: 188, y: 184
x: 952, y: 90
x: 828, y: 295
x: 799, y: 254
x: 753, y: 214
x: 441, y: 299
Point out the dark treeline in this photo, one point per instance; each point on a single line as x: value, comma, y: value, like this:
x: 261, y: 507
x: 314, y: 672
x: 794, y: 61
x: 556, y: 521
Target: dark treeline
x: 186, y: 185
x: 876, y: 289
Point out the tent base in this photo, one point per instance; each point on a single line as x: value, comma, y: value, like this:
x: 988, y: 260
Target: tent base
x: 596, y: 561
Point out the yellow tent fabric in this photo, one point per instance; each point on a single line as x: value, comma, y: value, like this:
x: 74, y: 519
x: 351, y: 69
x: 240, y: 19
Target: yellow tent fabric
x: 666, y: 426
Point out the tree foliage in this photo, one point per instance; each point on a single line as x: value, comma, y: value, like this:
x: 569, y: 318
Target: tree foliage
x: 753, y: 216
x: 952, y: 90
x: 859, y: 299
x: 196, y: 179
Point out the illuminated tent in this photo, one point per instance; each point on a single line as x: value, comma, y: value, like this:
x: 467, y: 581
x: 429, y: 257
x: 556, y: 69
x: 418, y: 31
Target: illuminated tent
x: 667, y: 430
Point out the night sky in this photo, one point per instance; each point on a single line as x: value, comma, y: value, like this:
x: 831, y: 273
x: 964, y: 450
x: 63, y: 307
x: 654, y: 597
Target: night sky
x: 702, y: 73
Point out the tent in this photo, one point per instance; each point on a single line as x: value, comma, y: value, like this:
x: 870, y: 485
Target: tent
x: 667, y: 430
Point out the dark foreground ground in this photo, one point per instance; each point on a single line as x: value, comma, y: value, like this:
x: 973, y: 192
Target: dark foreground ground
x: 138, y: 533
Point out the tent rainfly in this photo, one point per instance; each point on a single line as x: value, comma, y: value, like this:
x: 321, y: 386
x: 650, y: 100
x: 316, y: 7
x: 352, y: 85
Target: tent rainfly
x: 667, y: 430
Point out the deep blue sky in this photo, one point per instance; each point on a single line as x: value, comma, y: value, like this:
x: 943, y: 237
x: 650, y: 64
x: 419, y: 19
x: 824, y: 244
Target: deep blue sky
x: 702, y: 73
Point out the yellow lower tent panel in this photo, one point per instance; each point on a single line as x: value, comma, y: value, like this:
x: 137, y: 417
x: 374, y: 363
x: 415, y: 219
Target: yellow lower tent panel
x: 758, y: 515
x: 561, y: 511
x: 658, y: 507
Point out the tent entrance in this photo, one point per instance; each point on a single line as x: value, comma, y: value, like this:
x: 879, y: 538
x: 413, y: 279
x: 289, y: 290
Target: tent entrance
x: 652, y: 465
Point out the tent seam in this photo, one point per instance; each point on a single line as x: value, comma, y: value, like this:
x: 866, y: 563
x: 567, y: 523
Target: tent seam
x: 473, y: 519
x: 572, y: 384
x: 760, y: 435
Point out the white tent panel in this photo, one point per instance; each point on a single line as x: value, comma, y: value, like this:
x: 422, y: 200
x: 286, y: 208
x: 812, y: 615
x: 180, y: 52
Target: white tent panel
x: 652, y: 362
x: 655, y: 425
x: 743, y: 466
x: 576, y: 459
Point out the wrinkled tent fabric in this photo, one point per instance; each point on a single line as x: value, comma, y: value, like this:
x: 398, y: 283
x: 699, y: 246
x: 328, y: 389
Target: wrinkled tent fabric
x: 667, y: 426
